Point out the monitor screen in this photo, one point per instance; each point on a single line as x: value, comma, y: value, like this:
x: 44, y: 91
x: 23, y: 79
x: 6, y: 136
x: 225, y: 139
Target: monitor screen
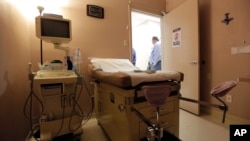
x: 53, y: 30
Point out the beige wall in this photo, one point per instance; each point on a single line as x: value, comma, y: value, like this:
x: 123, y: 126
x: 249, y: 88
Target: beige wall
x: 216, y: 40
x: 14, y: 55
x: 18, y: 46
x: 154, y: 7
x: 171, y: 4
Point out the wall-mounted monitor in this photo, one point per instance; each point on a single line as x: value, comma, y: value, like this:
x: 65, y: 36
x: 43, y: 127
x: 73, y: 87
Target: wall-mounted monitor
x: 54, y: 30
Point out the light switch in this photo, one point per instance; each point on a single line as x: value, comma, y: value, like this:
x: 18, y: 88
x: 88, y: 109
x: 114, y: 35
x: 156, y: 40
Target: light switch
x: 125, y: 43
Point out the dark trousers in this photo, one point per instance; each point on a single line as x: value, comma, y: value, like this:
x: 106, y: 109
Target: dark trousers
x: 154, y: 67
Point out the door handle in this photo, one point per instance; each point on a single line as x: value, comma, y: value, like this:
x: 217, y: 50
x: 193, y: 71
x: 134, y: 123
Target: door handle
x: 194, y: 62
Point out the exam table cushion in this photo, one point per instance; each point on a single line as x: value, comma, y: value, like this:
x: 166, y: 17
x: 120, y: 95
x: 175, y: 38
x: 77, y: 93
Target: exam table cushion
x: 125, y: 76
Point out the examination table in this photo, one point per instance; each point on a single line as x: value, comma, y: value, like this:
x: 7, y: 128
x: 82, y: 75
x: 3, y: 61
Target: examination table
x: 116, y: 92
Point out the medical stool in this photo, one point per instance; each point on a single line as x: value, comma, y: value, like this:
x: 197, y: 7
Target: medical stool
x: 156, y: 97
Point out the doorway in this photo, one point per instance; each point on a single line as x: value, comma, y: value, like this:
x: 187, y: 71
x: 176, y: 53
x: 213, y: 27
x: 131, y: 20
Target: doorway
x: 144, y: 27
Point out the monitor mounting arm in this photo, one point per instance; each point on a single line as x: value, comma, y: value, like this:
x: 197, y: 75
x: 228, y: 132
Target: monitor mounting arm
x: 58, y: 46
x: 66, y: 49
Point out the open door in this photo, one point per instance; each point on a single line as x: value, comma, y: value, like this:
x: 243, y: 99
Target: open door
x: 181, y: 49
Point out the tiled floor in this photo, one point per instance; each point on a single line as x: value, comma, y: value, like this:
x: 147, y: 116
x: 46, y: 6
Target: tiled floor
x: 192, y: 128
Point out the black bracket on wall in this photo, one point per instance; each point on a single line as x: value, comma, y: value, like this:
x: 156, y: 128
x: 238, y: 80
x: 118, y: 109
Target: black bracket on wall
x: 227, y: 20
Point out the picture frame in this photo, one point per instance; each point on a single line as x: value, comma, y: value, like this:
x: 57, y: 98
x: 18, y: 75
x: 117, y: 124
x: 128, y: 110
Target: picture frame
x: 95, y: 11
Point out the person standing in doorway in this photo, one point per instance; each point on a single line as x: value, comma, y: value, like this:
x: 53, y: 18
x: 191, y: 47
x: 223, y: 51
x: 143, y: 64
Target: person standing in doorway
x: 155, y: 57
x: 133, y: 56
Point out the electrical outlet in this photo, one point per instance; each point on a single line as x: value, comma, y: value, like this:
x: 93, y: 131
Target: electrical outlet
x: 229, y: 98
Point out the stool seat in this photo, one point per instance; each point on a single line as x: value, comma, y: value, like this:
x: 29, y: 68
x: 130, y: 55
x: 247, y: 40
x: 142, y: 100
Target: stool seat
x: 156, y: 95
x: 223, y: 88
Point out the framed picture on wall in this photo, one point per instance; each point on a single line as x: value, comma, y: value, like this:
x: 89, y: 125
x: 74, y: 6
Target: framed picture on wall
x: 95, y: 11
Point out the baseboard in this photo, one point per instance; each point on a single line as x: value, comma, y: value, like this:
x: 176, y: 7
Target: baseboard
x: 216, y: 116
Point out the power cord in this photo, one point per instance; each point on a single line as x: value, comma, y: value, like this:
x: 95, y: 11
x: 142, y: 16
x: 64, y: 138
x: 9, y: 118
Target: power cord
x: 61, y: 126
x: 91, y: 99
x: 82, y: 83
x: 75, y: 104
x: 29, y: 102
